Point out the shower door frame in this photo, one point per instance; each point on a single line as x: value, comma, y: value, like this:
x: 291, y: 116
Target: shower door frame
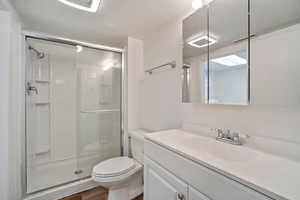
x: 123, y: 107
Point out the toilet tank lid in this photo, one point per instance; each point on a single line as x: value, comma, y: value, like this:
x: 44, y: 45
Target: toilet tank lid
x: 139, y: 134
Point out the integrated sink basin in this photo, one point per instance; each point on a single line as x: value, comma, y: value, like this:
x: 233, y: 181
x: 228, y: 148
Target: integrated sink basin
x: 223, y: 151
x: 275, y: 176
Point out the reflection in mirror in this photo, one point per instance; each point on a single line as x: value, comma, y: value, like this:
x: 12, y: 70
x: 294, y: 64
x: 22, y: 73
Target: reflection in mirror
x: 228, y: 57
x: 284, y: 13
x: 216, y: 48
x: 195, y: 50
x: 275, y: 51
x: 216, y: 45
x: 228, y: 75
x: 186, y: 98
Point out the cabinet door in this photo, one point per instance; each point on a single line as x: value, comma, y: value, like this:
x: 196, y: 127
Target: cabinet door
x: 162, y: 185
x: 196, y: 195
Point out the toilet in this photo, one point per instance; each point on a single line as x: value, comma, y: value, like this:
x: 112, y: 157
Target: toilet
x: 123, y: 176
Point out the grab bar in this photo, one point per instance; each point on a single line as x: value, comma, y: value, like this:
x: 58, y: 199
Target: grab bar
x: 172, y: 64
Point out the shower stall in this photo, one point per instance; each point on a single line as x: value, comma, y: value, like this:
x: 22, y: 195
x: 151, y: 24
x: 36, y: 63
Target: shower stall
x: 73, y: 110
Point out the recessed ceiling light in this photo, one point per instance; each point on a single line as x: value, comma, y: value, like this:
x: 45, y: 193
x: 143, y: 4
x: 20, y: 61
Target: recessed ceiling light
x: 232, y: 60
x: 92, y: 5
x: 202, y: 41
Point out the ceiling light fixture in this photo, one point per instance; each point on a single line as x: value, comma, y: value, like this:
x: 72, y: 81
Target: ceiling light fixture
x: 232, y: 60
x: 196, y: 4
x: 93, y: 5
x: 202, y: 41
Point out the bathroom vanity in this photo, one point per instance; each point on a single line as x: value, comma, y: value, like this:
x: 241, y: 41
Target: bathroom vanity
x: 185, y: 166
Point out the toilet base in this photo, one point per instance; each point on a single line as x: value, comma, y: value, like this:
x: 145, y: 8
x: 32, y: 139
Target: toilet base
x: 129, y: 190
x: 118, y: 194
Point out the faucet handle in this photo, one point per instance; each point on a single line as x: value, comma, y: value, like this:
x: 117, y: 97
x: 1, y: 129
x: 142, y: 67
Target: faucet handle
x: 220, y: 132
x: 236, y: 138
x: 227, y: 131
x: 235, y: 134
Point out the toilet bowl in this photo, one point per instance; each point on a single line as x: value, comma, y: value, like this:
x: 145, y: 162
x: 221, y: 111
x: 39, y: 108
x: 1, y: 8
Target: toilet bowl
x: 123, y: 176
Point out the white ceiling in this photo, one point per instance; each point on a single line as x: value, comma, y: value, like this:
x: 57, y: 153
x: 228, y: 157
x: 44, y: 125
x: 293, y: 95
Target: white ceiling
x: 109, y: 26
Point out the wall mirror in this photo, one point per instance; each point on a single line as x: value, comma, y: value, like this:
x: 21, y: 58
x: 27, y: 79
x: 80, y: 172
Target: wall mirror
x: 216, y: 52
x: 220, y: 46
x: 275, y: 51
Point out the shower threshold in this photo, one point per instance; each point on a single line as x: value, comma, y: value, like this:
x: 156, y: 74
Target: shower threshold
x: 64, y: 190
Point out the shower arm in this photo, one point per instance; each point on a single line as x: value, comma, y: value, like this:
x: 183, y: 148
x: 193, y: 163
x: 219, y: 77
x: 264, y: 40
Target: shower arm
x: 39, y: 54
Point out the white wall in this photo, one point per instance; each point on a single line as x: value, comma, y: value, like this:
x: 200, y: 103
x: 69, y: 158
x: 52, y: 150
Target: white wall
x: 135, y: 61
x: 161, y: 91
x: 275, y: 105
x: 16, y: 117
x: 10, y: 105
x: 4, y: 102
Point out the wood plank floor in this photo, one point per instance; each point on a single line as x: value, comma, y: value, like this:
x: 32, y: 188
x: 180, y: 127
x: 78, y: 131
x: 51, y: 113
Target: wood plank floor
x: 140, y: 198
x: 98, y: 193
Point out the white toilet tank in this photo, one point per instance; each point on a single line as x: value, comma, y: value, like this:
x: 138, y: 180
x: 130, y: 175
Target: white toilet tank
x: 137, y: 144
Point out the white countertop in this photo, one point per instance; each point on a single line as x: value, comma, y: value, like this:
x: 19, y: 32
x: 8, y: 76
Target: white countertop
x: 275, y: 176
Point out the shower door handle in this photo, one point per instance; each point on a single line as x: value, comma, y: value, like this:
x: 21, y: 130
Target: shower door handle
x: 30, y: 88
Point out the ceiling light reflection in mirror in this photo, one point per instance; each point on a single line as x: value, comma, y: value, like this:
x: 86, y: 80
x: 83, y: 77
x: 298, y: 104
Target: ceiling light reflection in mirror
x: 201, y: 41
x: 91, y: 5
x: 231, y: 60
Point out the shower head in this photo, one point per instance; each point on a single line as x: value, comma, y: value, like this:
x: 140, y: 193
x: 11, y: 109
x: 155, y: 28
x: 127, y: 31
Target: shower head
x: 39, y: 55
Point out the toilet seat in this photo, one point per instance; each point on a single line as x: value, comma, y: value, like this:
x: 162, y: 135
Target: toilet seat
x: 115, y: 169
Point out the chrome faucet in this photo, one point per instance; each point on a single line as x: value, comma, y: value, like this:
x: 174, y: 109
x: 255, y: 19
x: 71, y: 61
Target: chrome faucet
x: 225, y: 135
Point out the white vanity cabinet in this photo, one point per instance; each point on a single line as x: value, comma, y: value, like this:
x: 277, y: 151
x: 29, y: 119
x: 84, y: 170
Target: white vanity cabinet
x: 196, y: 195
x: 171, y: 176
x: 162, y: 185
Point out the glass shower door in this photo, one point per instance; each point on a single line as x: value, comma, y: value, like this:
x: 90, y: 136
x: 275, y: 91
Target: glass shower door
x: 51, y: 114
x: 99, y: 113
x: 73, y: 108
